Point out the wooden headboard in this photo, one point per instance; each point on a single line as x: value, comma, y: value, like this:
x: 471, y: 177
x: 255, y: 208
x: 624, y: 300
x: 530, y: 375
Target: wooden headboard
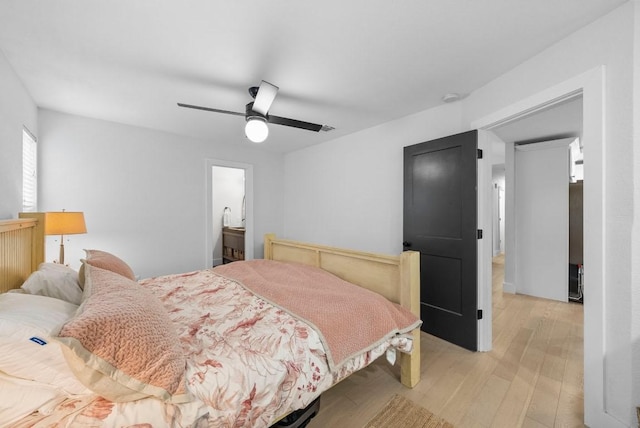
x: 395, y: 277
x: 21, y: 249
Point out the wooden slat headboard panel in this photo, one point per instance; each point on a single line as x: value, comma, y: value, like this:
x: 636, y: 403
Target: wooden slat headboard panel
x: 21, y: 249
x: 395, y: 277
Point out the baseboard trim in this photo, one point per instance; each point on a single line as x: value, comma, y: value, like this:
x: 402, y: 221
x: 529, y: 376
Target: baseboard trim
x: 509, y: 287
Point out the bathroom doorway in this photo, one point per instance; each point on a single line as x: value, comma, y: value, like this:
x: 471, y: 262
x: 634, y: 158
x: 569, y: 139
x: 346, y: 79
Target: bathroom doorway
x: 229, y: 212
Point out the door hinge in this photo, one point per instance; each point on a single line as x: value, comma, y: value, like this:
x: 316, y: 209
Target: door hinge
x: 479, y: 314
x: 479, y: 233
x: 479, y: 153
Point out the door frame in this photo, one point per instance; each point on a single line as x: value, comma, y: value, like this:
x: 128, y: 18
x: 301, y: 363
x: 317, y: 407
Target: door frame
x: 248, y: 189
x: 591, y: 85
x: 485, y: 245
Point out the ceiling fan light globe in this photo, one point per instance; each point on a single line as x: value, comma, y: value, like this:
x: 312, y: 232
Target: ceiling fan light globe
x: 256, y: 129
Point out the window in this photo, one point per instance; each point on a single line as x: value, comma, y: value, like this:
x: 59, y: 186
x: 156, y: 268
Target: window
x: 29, y: 172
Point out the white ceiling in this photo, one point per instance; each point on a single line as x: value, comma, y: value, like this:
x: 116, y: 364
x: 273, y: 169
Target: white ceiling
x: 348, y: 64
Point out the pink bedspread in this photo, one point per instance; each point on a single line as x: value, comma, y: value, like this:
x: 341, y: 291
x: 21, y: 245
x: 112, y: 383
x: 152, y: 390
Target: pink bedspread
x: 349, y: 318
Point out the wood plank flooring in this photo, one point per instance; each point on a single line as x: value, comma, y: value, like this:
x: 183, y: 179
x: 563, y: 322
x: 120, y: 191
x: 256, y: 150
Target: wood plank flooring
x: 533, y: 377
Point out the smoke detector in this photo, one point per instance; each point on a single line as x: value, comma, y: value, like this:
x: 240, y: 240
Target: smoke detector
x: 450, y: 97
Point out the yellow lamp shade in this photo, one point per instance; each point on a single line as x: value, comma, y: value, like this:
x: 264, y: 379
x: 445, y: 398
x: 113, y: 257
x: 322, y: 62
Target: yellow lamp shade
x: 64, y: 223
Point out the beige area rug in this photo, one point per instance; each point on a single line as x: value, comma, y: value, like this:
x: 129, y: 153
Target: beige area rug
x: 401, y: 412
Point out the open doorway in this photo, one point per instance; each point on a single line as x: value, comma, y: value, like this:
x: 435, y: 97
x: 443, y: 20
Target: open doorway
x: 537, y: 176
x: 498, y: 185
x: 228, y: 214
x: 590, y: 86
x: 229, y: 206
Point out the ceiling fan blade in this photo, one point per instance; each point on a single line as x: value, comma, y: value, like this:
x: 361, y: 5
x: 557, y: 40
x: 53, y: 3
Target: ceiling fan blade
x: 294, y: 123
x: 264, y: 98
x: 215, y: 110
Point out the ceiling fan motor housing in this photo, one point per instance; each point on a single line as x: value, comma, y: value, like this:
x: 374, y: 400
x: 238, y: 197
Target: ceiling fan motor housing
x: 249, y: 113
x: 253, y: 91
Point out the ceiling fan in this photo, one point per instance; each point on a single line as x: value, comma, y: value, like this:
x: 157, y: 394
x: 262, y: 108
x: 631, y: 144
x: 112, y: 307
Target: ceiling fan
x: 257, y: 114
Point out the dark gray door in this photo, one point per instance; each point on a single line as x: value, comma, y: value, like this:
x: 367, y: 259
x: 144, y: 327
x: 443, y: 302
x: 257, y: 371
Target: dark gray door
x: 440, y: 221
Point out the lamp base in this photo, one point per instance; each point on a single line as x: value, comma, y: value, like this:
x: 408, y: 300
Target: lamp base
x: 61, y: 257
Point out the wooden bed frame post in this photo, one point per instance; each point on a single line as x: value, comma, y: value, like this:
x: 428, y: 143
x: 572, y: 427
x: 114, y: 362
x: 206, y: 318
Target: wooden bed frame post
x: 268, y: 252
x: 410, y: 298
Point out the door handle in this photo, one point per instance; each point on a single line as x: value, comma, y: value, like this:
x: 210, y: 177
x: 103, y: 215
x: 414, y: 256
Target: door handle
x: 406, y: 243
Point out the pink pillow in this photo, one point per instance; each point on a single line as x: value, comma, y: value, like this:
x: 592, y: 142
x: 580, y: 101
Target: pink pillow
x: 121, y: 344
x: 107, y: 261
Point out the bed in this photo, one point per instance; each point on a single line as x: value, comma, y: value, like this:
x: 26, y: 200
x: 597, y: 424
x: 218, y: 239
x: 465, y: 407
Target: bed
x: 315, y: 368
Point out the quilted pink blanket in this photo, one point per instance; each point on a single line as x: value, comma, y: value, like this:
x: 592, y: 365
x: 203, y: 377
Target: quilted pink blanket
x: 350, y: 319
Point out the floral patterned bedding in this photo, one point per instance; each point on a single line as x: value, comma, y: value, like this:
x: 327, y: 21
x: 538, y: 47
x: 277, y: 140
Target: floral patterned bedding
x: 248, y: 362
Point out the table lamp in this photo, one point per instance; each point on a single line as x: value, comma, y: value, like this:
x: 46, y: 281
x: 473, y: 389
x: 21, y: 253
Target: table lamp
x: 64, y: 223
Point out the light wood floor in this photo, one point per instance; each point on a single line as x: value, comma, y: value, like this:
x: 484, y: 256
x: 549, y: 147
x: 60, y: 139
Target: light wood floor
x: 533, y: 377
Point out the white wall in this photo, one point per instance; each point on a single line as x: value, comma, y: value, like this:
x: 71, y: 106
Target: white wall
x: 17, y: 109
x: 348, y: 191
x: 542, y: 219
x: 635, y: 262
x: 143, y: 192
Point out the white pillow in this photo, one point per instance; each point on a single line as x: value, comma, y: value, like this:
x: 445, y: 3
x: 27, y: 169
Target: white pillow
x: 21, y: 397
x: 55, y: 280
x: 27, y: 351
